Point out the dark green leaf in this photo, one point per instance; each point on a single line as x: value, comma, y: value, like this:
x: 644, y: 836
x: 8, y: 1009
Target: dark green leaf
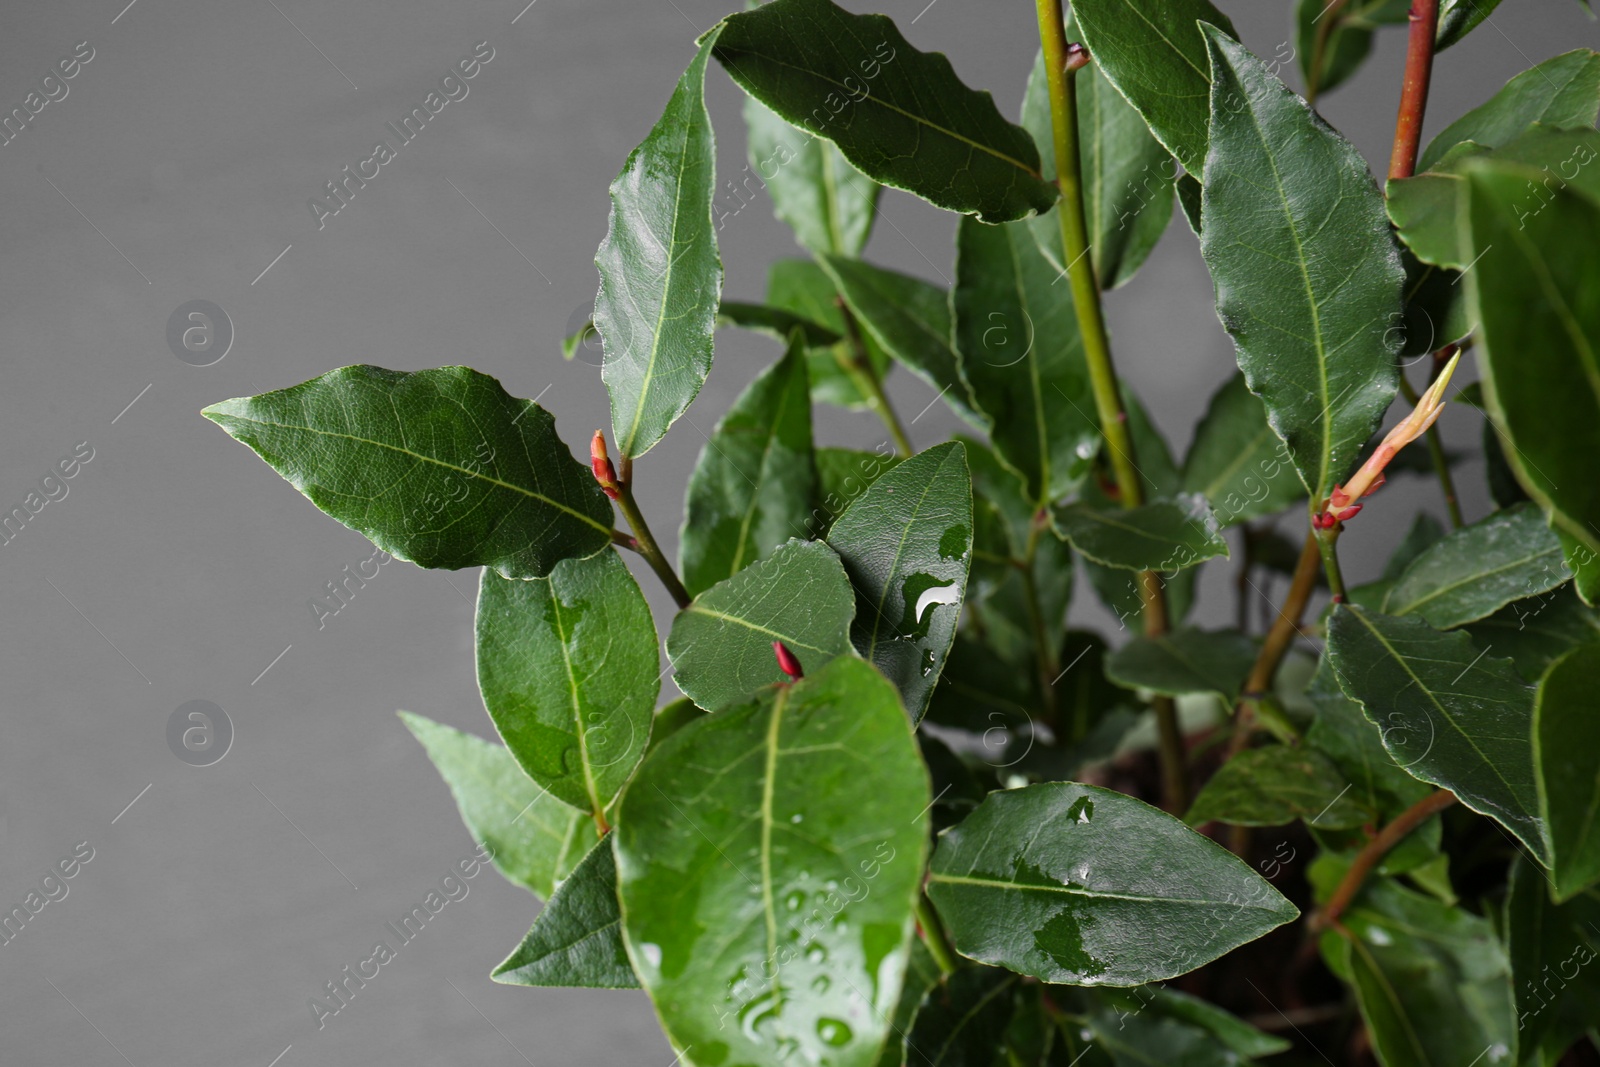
x: 909, y: 319
x: 921, y: 974
x: 1118, y: 590
x: 1538, y: 631
x: 753, y: 486
x: 1136, y: 1038
x: 906, y: 544
x: 1562, y: 91
x: 1127, y: 175
x: 775, y: 322
x: 1332, y: 40
x: 1236, y: 462
x: 660, y: 272
x: 1185, y: 661
x: 802, y: 287
x: 1551, y: 948
x: 1450, y: 714
x: 1355, y: 745
x: 1457, y: 18
x: 843, y: 474
x: 1585, y: 564
x: 1166, y: 535
x: 1065, y: 882
x: 440, y: 467
x: 1021, y: 352
x: 900, y: 115
x: 1479, y: 569
x: 1189, y: 197
x: 576, y: 940
x: 672, y: 718
x: 534, y: 839
x: 1536, y: 288
x: 1235, y: 1033
x: 962, y: 1021
x: 826, y: 202
x: 1566, y: 736
x: 1425, y: 531
x: 1306, y: 271
x: 1275, y: 785
x: 721, y: 644
x: 1153, y: 52
x: 749, y: 866
x: 568, y: 670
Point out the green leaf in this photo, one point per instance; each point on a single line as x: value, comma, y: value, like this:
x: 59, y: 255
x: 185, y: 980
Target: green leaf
x: 843, y: 474
x: 1538, y: 631
x: 826, y: 202
x: 1307, y: 273
x: 777, y: 323
x: 660, y: 272
x: 1127, y: 175
x: 753, y: 485
x: 962, y: 1021
x: 1551, y: 946
x: 1536, y: 288
x: 802, y: 287
x: 1425, y: 531
x: 900, y: 115
x: 1479, y: 569
x: 576, y: 940
x: 1185, y: 661
x: 1457, y: 18
x: 1585, y: 564
x: 568, y: 670
x: 906, y: 544
x: 721, y: 644
x: 1155, y: 55
x: 1355, y: 745
x: 1236, y: 461
x: 671, y: 718
x: 1021, y: 352
x: 749, y: 868
x: 440, y: 467
x: 1233, y: 1032
x: 1138, y: 1039
x: 909, y: 319
x: 1065, y: 882
x: 1275, y: 785
x: 534, y: 839
x: 1562, y: 91
x: 1566, y: 736
x: 921, y: 975
x: 1425, y: 208
x: 1432, y: 982
x: 1333, y: 41
x: 1450, y: 714
x: 1165, y: 535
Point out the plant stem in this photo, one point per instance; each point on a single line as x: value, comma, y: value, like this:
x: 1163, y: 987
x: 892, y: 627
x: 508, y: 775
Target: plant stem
x: 1441, y: 465
x: 1277, y: 643
x: 1377, y: 848
x: 645, y: 542
x: 1061, y: 64
x: 1414, y: 90
x: 933, y: 933
x: 866, y: 378
x: 1327, y: 541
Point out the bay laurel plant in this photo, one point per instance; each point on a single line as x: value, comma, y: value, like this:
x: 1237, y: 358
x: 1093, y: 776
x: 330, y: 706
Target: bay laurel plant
x: 904, y: 811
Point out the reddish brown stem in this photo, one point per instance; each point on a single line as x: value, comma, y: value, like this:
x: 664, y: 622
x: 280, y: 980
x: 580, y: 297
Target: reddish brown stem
x: 1376, y: 849
x: 1414, y: 91
x: 1276, y: 646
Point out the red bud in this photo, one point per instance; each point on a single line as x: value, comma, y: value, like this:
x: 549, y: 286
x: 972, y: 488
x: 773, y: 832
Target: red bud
x: 600, y: 464
x: 1349, y: 513
x: 787, y: 662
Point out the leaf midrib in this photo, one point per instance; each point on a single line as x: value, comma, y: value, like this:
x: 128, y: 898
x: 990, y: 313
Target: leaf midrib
x: 1020, y: 887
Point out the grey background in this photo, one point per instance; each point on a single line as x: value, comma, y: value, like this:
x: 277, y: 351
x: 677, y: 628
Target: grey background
x: 179, y: 565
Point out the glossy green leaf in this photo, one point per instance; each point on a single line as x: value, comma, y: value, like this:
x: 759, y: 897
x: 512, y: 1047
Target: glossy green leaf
x: 440, y: 467
x: 1233, y: 1032
x: 777, y: 323
x: 1236, y: 461
x: 749, y: 867
x: 826, y: 202
x: 803, y: 288
x: 1562, y: 91
x: 660, y: 271
x: 900, y: 115
x: 1127, y: 175
x: 721, y: 644
x: 1332, y: 40
x: 672, y: 718
x: 1585, y: 565
x: 843, y: 474
x: 1566, y: 737
x: 1355, y: 745
x: 1166, y: 535
x: 753, y: 485
x: 534, y: 839
x: 1538, y: 631
x: 1155, y: 55
x: 906, y: 544
x: 1425, y: 532
x: 1067, y: 882
x: 1552, y: 949
x: 962, y: 1021
x: 576, y: 939
x: 1536, y: 289
x: 1138, y: 1038
x: 1306, y: 271
x: 1020, y: 350
x: 1275, y: 785
x: 1479, y: 569
x: 921, y: 975
x: 568, y: 670
x: 1432, y: 981
x: 1457, y: 18
x: 1185, y: 661
x: 1450, y: 714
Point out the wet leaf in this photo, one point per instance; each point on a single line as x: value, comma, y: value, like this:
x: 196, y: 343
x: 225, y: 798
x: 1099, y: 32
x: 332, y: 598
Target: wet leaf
x: 962, y: 1021
x: 576, y: 939
x: 1166, y: 535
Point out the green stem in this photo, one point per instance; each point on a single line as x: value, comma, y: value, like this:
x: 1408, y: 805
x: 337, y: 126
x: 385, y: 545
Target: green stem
x: 933, y: 933
x: 1327, y: 541
x: 1441, y: 465
x: 1048, y: 663
x: 866, y: 378
x: 1061, y: 64
x: 645, y: 542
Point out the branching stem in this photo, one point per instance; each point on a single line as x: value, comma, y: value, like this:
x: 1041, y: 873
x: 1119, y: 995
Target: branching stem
x: 1377, y: 848
x: 867, y: 380
x: 1277, y: 643
x: 644, y: 540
